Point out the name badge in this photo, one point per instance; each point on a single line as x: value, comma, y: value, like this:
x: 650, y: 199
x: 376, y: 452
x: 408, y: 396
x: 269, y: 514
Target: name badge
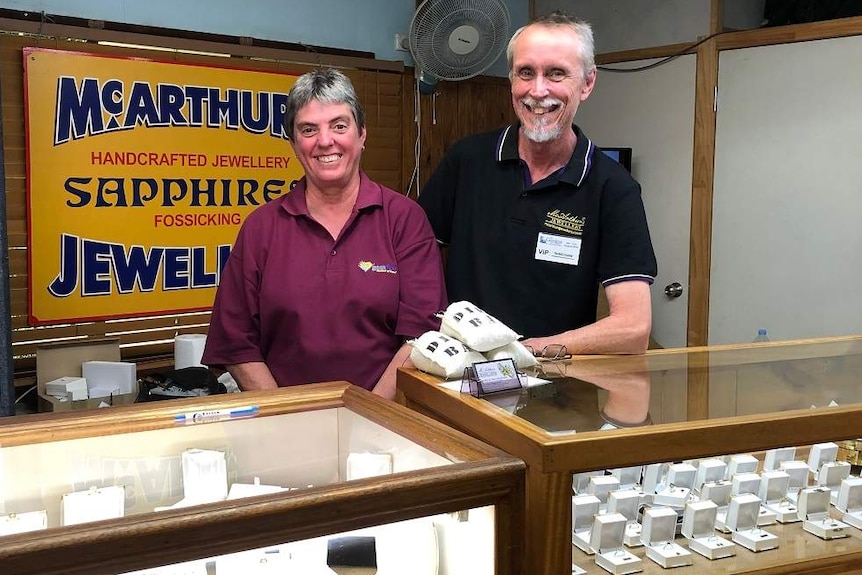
x: 558, y: 249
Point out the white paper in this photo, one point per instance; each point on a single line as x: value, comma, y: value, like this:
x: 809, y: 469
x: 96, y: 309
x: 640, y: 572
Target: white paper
x: 528, y: 381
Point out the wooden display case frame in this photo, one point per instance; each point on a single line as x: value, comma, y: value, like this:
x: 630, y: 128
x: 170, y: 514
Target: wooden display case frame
x: 479, y: 476
x: 552, y: 459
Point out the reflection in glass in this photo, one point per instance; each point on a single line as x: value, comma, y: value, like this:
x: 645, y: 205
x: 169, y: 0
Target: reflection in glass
x: 583, y: 396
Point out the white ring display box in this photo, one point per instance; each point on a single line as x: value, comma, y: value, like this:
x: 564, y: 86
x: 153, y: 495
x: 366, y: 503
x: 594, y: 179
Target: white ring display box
x: 775, y: 457
x: 601, y: 486
x: 698, y: 526
x: 659, y: 528
x: 629, y: 477
x: 742, y: 521
x: 773, y: 494
x: 606, y: 538
x: 813, y: 507
x: 678, y: 484
x: 584, y: 509
x: 708, y: 471
x: 831, y: 474
x: 749, y: 482
x: 626, y: 502
x: 742, y: 463
x: 652, y: 481
x: 821, y: 453
x: 719, y: 493
x: 850, y: 502
x: 798, y: 472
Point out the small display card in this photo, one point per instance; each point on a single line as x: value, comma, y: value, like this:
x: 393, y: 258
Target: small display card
x: 487, y: 377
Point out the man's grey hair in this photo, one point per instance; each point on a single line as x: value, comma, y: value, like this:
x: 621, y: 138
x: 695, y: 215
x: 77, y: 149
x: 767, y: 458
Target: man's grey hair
x: 581, y: 28
x: 327, y: 86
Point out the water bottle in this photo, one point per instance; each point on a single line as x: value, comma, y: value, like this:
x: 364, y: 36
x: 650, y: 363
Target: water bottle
x: 761, y: 336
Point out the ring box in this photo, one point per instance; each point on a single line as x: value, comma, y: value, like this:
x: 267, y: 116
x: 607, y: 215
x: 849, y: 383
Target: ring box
x: 719, y: 493
x: 581, y: 482
x: 629, y: 477
x: 677, y: 486
x: 659, y: 528
x: 709, y: 470
x: 626, y: 503
x: 14, y: 523
x: 850, y: 501
x: 584, y: 509
x: 831, y: 474
x: 743, y: 483
x: 775, y: 457
x: 741, y: 519
x: 606, y: 538
x: 821, y: 453
x: 813, y: 508
x: 798, y: 472
x: 653, y: 475
x: 94, y: 504
x: 741, y: 464
x: 698, y: 526
x: 601, y: 486
x: 773, y: 494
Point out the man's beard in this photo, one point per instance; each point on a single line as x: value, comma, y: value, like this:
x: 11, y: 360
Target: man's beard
x: 539, y: 133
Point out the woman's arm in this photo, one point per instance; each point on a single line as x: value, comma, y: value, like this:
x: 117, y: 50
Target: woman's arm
x: 253, y: 376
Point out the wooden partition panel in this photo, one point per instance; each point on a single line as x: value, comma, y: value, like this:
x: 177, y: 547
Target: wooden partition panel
x: 458, y: 109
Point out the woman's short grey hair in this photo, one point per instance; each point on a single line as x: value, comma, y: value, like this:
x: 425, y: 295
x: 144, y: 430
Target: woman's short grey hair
x: 327, y: 86
x: 582, y: 29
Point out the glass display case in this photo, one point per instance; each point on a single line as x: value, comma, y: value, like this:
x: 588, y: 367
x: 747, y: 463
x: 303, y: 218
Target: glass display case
x: 317, y: 479
x: 596, y: 418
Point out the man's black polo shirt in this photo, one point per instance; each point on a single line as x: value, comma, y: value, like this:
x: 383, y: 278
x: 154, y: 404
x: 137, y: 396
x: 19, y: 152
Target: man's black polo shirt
x: 498, y: 229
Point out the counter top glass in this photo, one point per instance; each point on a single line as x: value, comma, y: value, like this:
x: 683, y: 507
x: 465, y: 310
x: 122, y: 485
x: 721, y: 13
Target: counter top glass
x: 589, y: 393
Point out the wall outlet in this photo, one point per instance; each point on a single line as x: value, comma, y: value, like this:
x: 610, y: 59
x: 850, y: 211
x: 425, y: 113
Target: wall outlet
x: 402, y: 43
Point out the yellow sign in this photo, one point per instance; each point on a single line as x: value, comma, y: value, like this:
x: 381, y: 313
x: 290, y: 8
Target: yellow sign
x: 139, y: 175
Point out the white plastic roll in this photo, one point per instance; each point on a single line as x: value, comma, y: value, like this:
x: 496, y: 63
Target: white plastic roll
x: 188, y: 350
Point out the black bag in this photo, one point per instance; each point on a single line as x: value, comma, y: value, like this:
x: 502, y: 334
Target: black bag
x: 185, y: 382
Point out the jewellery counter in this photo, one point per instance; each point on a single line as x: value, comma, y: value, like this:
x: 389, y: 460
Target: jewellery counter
x: 598, y: 415
x: 255, y: 482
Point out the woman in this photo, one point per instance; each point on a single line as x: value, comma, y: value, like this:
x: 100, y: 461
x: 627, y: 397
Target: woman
x: 326, y: 282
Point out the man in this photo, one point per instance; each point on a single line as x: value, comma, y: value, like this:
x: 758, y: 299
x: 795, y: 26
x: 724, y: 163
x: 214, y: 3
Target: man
x: 534, y: 217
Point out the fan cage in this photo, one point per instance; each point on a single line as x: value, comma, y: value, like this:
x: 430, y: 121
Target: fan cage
x: 436, y: 20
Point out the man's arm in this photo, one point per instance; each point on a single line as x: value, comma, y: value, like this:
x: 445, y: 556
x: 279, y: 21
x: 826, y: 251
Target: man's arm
x: 625, y: 330
x: 385, y: 386
x: 252, y: 376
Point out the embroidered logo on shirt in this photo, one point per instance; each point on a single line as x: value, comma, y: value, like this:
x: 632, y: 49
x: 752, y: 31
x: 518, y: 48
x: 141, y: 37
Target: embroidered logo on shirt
x: 379, y: 268
x: 565, y: 222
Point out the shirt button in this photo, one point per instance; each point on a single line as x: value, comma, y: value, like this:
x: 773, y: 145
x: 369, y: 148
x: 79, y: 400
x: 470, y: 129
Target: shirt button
x: 333, y: 252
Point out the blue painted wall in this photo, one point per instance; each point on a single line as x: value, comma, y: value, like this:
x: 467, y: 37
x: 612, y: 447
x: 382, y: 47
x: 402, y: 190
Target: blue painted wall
x: 365, y: 25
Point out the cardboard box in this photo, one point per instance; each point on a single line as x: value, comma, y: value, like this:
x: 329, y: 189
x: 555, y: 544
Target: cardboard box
x: 51, y: 403
x: 57, y: 360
